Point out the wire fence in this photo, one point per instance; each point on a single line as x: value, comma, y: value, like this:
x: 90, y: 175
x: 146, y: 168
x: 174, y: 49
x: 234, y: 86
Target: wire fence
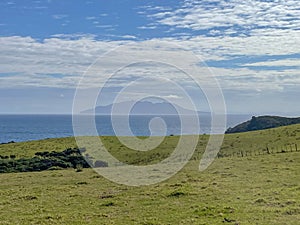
x: 266, y: 151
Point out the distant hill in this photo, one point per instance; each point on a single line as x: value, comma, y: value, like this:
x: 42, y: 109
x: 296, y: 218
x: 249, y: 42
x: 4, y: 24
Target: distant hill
x: 263, y: 122
x: 142, y: 108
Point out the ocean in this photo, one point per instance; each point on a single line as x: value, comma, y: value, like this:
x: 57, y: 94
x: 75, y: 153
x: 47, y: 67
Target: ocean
x: 19, y: 128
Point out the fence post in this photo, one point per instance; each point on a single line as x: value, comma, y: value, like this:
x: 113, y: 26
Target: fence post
x: 268, y: 151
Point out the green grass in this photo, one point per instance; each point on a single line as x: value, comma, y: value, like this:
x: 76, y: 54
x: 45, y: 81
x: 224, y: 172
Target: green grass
x: 257, y: 189
x: 27, y: 149
x: 274, y: 139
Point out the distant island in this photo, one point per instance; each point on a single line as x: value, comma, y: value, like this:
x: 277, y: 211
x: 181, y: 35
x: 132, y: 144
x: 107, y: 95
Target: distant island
x: 263, y: 122
x: 143, y: 108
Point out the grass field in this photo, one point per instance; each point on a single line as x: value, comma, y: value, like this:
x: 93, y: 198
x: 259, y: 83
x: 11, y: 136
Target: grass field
x: 260, y: 188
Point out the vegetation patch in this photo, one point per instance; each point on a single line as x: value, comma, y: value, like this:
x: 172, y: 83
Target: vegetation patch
x: 263, y: 122
x: 69, y: 158
x: 176, y: 194
x: 108, y: 204
x: 258, y: 188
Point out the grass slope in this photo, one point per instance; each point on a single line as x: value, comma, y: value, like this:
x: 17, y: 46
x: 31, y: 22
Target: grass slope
x: 275, y: 139
x: 261, y: 189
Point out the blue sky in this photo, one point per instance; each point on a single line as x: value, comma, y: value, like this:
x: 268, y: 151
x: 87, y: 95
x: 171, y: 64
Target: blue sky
x: 251, y: 47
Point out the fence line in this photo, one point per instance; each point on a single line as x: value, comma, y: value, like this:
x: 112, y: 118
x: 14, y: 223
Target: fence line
x: 266, y: 151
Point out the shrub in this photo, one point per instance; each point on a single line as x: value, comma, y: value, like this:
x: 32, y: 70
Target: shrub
x: 69, y: 158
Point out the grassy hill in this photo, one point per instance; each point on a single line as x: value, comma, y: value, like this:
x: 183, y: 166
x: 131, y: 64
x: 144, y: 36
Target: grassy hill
x: 262, y: 187
x: 263, y: 122
x: 256, y: 141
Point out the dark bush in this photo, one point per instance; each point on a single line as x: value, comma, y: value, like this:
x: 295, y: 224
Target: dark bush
x: 69, y: 158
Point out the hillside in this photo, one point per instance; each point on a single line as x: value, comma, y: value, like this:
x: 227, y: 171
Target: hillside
x: 233, y: 143
x: 263, y: 122
x: 253, y: 189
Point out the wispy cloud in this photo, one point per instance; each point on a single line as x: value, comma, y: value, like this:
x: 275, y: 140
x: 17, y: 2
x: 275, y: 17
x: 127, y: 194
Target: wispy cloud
x: 251, y: 46
x: 277, y: 42
x: 31, y: 59
x: 148, y: 27
x: 237, y: 15
x: 277, y: 63
x: 217, y: 31
x: 68, y: 57
x: 129, y: 37
x: 172, y: 97
x: 90, y: 18
x: 96, y: 21
x: 59, y: 16
x: 74, y: 36
x: 262, y: 80
x: 107, y: 26
x: 10, y: 3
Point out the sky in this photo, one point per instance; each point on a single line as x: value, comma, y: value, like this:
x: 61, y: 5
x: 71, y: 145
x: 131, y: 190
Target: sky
x: 251, y: 48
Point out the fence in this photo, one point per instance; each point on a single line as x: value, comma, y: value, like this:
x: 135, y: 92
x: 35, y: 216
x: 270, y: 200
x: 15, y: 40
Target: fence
x: 267, y: 150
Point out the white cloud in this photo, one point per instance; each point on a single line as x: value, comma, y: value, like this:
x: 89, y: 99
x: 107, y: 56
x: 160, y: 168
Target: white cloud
x: 30, y: 58
x: 129, y: 36
x: 147, y: 27
x: 231, y: 28
x: 277, y: 63
x: 74, y: 36
x: 262, y: 80
x: 247, y: 14
x: 37, y: 63
x: 90, y: 18
x: 280, y: 42
x: 10, y: 3
x: 60, y: 16
x: 172, y: 97
x: 106, y: 26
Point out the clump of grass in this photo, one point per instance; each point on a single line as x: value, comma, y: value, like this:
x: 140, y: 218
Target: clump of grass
x: 105, y: 196
x: 79, y: 168
x: 81, y: 183
x: 177, y: 194
x: 108, y: 204
x: 28, y: 197
x: 260, y: 201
